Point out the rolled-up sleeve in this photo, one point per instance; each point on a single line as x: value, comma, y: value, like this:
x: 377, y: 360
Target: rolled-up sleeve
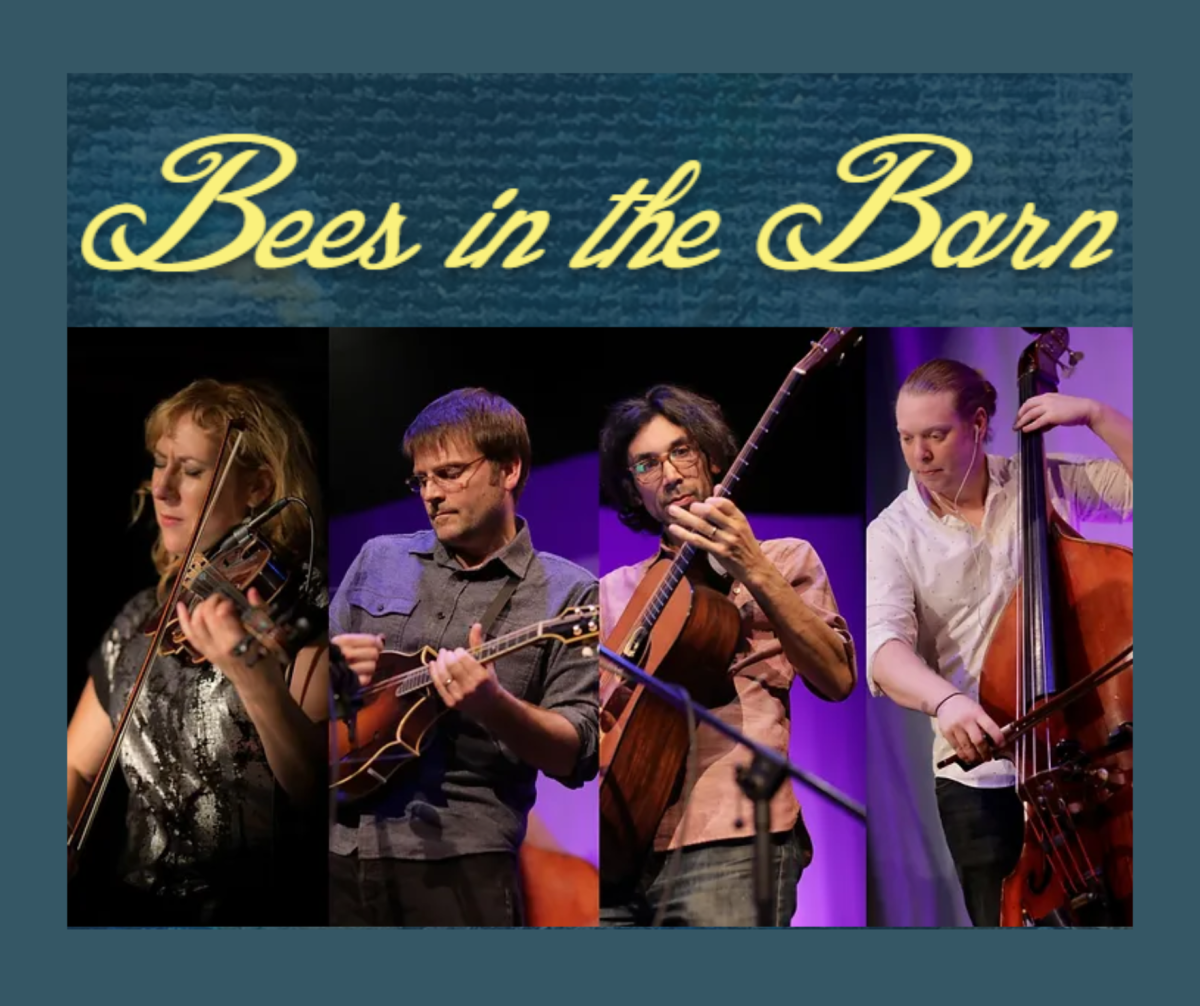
x: 1100, y: 490
x: 891, y: 607
x: 572, y: 689
x: 804, y: 571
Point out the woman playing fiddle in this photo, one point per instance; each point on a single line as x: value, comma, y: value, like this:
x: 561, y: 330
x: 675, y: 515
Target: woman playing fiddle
x: 224, y: 755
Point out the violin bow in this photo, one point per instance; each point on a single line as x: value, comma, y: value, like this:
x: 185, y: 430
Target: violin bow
x: 1020, y: 727
x: 87, y: 815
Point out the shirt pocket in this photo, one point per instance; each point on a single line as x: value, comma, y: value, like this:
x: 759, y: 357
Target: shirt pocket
x: 387, y: 615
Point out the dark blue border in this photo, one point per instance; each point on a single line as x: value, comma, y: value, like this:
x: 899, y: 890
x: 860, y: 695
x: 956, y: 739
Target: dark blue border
x: 47, y: 43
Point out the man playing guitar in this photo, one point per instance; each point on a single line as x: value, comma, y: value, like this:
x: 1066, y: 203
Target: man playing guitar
x: 660, y: 453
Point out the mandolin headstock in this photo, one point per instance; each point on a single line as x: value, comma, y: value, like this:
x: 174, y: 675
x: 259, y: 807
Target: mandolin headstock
x: 574, y: 625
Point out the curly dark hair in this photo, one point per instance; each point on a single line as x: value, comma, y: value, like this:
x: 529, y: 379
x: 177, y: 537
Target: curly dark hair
x: 701, y: 417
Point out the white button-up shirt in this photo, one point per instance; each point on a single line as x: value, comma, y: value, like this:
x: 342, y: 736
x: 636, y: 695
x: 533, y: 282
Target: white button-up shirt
x: 939, y: 585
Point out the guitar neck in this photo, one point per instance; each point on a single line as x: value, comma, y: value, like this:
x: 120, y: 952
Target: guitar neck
x: 752, y: 445
x: 683, y: 559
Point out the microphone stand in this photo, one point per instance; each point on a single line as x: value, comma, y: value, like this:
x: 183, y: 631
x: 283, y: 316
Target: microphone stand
x: 347, y: 693
x: 759, y: 780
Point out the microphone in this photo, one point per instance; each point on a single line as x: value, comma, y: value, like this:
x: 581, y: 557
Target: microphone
x: 244, y: 532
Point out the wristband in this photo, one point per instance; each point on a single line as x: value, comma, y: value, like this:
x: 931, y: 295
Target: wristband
x: 944, y: 701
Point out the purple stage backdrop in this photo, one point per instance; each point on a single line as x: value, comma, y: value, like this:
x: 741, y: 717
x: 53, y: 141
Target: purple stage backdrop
x: 559, y: 504
x: 912, y: 876
x: 828, y: 738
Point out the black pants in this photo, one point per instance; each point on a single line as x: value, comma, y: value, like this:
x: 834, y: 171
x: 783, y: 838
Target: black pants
x: 231, y: 898
x: 984, y: 830
x: 480, y: 890
x: 115, y: 904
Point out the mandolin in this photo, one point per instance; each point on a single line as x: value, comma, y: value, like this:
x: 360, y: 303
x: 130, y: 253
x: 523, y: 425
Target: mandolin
x: 392, y: 719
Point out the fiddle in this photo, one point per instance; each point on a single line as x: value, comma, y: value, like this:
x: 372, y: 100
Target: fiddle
x: 283, y: 624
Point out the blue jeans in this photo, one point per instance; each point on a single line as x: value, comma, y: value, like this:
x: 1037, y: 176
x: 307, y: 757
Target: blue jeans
x: 714, y: 885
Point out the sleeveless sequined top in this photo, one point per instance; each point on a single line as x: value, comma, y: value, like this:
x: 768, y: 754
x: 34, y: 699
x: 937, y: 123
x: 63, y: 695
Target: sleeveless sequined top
x: 202, y: 798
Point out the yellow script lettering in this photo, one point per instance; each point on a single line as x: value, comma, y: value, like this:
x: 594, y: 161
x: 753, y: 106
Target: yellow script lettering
x: 286, y: 233
x: 253, y: 221
x: 523, y: 254
x: 654, y: 212
x: 894, y: 173
x: 1105, y: 223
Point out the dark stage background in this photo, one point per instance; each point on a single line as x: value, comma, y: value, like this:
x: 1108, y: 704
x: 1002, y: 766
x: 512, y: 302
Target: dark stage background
x: 382, y: 378
x: 812, y: 462
x: 114, y: 379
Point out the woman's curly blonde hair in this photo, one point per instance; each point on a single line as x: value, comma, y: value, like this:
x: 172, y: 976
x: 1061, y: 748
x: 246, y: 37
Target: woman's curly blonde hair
x: 273, y: 441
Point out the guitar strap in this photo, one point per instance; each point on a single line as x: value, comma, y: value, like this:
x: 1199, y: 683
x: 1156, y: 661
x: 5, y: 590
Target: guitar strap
x: 349, y: 817
x: 499, y: 601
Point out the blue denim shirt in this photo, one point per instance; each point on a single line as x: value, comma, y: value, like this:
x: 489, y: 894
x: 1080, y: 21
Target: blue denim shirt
x: 468, y: 793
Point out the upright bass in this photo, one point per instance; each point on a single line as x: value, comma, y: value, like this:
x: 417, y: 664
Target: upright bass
x: 1058, y: 677
x: 681, y: 628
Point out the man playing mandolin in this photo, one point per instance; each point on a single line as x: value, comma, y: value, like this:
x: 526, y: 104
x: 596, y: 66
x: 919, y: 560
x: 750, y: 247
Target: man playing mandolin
x: 439, y: 845
x: 660, y: 455
x: 942, y: 561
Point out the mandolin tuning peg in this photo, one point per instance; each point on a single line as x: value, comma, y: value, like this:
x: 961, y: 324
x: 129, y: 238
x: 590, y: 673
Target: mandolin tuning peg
x: 588, y: 652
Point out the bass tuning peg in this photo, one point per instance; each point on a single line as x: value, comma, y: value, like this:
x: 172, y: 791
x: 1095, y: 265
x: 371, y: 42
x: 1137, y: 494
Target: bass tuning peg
x: 1073, y: 358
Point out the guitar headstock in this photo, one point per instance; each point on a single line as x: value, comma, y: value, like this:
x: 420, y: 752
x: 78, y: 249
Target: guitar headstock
x: 574, y: 625
x: 1044, y: 356
x: 834, y: 344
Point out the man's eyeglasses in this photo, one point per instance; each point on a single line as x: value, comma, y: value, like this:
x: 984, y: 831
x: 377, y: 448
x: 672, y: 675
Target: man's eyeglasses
x: 684, y: 458
x: 449, y: 478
